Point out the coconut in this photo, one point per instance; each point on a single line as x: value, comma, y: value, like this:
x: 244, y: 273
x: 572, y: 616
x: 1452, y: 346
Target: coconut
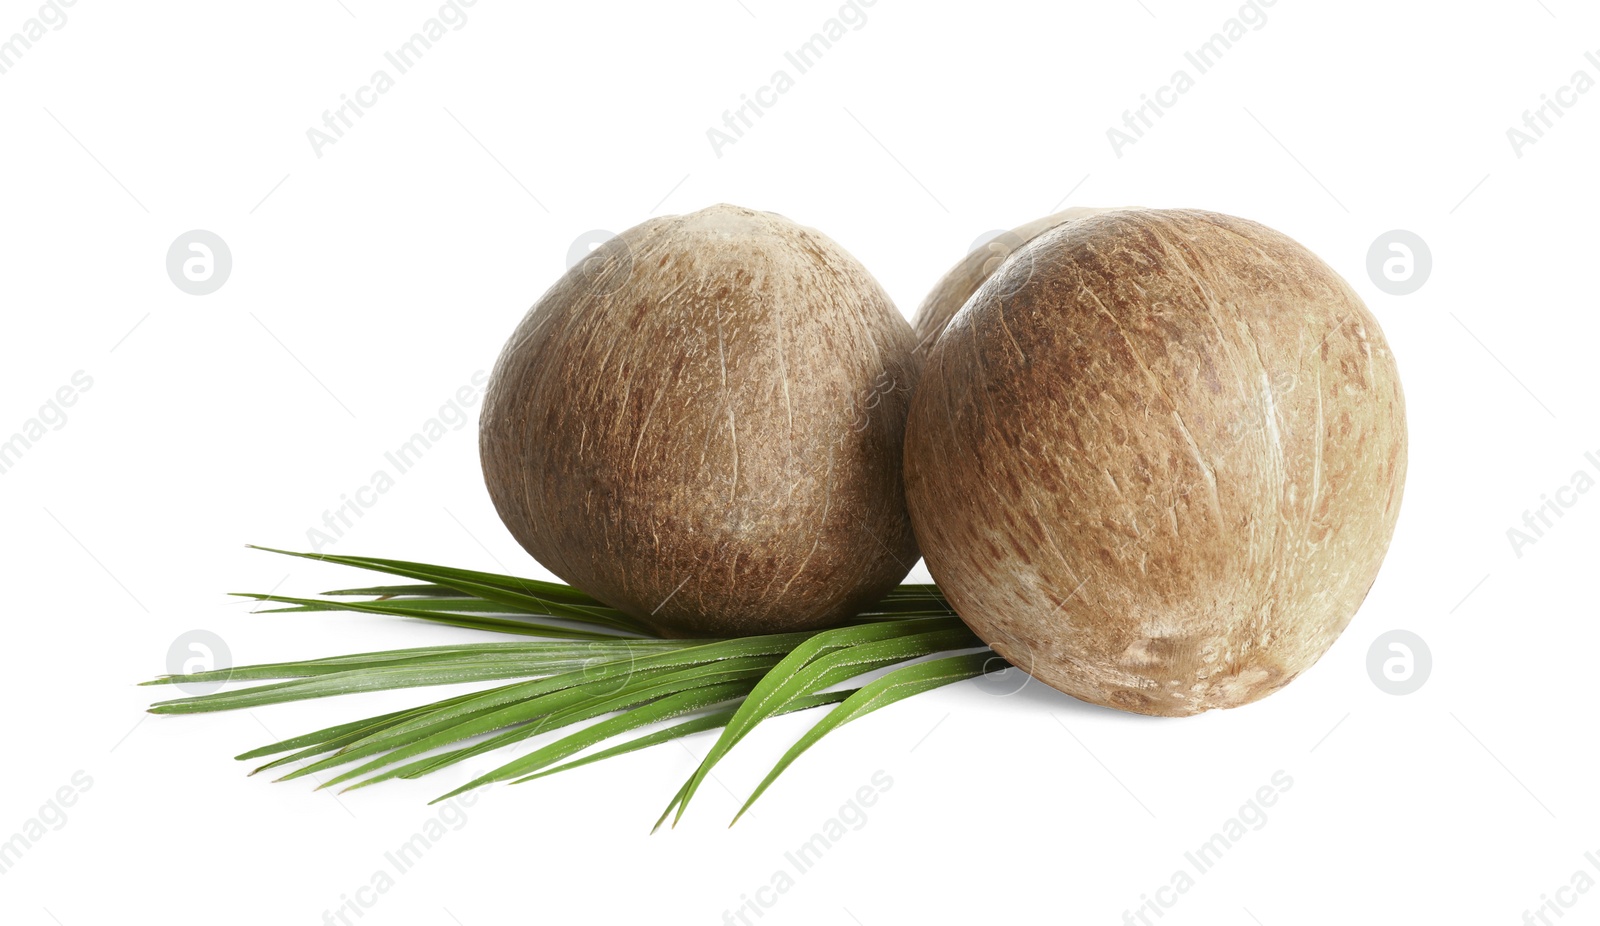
x: 702, y: 426
x: 1156, y: 459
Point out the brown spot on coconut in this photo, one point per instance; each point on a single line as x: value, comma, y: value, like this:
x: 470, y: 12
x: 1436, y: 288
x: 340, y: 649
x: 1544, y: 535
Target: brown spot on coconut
x: 702, y: 426
x: 1198, y: 429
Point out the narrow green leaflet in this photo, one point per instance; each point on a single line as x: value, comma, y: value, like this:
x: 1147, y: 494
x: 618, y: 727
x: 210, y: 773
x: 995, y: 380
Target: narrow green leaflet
x: 382, y: 678
x: 460, y: 604
x: 895, y: 686
x: 399, y: 607
x: 341, y: 735
x: 528, y: 594
x: 827, y: 659
x: 397, y: 591
x: 450, y: 577
x: 579, y: 702
x: 555, y: 652
x: 694, y: 725
x: 660, y: 709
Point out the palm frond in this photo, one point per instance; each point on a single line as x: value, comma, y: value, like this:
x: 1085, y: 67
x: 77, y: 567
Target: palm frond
x: 591, y: 667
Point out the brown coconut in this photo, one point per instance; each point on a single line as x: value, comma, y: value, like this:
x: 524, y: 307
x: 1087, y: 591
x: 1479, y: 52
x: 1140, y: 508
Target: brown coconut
x: 1156, y: 459
x: 702, y: 426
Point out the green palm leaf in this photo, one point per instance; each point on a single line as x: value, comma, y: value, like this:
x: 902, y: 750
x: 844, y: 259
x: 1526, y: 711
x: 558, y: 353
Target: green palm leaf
x: 591, y: 667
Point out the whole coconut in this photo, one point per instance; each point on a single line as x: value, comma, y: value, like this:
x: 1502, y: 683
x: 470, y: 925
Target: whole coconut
x: 1156, y: 459
x: 702, y: 426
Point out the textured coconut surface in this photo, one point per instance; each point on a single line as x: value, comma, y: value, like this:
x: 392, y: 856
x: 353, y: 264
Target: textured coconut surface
x: 702, y: 425
x: 1157, y: 458
x: 957, y: 286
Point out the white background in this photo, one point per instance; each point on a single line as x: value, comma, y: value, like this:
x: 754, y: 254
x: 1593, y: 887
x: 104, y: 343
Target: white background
x: 371, y: 283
